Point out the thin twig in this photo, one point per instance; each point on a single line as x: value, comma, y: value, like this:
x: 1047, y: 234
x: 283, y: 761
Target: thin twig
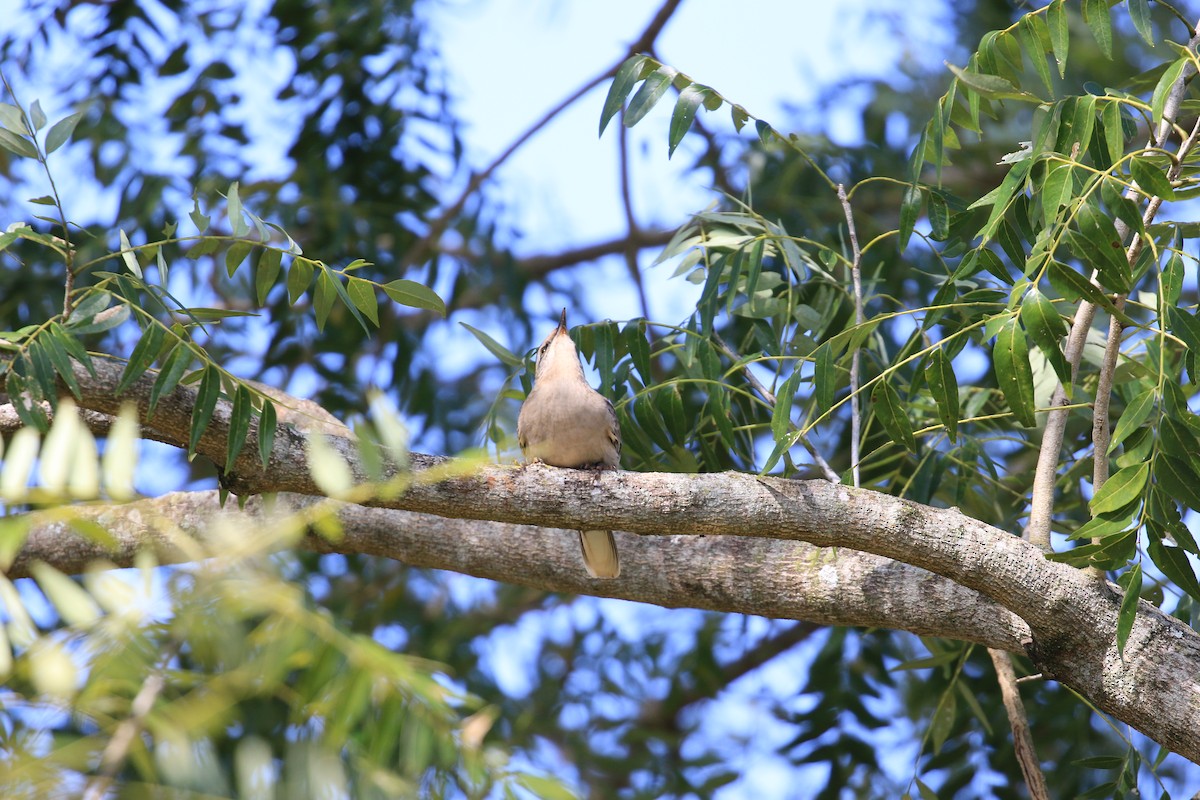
x: 859, y: 318
x: 769, y: 398
x: 68, y: 250
x: 1022, y: 740
x: 437, y: 226
x: 1041, y: 510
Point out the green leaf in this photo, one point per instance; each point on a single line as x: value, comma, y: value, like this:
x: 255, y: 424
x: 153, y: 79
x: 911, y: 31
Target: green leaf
x: 267, y: 274
x: 495, y: 348
x: 1173, y: 562
x: 939, y: 217
x: 1057, y: 190
x: 925, y: 791
x: 639, y: 349
x: 324, y: 297
x: 992, y: 87
x: 651, y: 91
x: 825, y: 377
x: 43, y: 370
x: 1178, y: 479
x: 1013, y: 373
x: 198, y: 218
x: 128, y: 256
x: 414, y: 295
x: 1097, y: 242
x: 37, y: 116
x: 299, y: 277
x: 1000, y: 197
x: 329, y: 469
x: 1129, y: 607
x: 71, y: 601
x: 13, y: 119
x: 1137, y: 412
x: 1121, y: 489
x: 1095, y: 14
x: 892, y: 414
x: 1031, y: 43
x: 169, y: 376
x: 1139, y: 13
x: 943, y: 385
x: 235, y: 255
x: 61, y: 360
x: 267, y: 423
x: 1047, y: 328
x: 61, y: 131
x: 17, y: 144
x: 143, y: 355
x: 623, y: 82
x: 119, y: 463
x: 545, y: 787
x: 234, y: 208
x: 1114, y: 130
x: 362, y: 294
x: 685, y: 111
x: 1067, y: 280
x: 910, y: 209
x: 239, y: 425
x: 73, y: 346
x: 781, y: 415
x: 1172, y: 279
x: 1151, y: 179
x: 740, y: 117
x: 206, y: 403
x: 1162, y: 89
x: 1060, y: 35
x: 943, y: 721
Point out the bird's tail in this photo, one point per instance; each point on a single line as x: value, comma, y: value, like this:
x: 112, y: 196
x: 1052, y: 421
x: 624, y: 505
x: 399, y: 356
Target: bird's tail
x: 600, y: 554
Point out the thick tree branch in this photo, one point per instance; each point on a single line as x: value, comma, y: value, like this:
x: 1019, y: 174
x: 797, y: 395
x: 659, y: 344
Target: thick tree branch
x: 782, y: 580
x: 1153, y: 686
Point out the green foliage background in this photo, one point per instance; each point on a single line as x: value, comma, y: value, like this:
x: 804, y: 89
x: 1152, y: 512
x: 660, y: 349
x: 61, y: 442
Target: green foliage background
x: 374, y: 672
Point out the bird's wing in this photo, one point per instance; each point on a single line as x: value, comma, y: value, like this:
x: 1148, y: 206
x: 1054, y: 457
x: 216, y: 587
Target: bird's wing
x: 614, y: 425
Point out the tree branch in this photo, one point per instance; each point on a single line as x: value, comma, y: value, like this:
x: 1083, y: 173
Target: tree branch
x: 1153, y: 686
x: 437, y: 226
x: 777, y: 579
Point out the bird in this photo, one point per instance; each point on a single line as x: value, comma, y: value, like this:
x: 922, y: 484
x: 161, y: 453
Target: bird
x: 564, y: 422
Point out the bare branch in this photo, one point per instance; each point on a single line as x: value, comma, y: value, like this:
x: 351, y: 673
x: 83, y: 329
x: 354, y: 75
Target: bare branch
x: 437, y: 226
x: 1022, y: 739
x: 859, y: 319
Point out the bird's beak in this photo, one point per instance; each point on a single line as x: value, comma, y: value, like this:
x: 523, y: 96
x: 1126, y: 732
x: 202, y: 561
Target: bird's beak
x: 562, y: 322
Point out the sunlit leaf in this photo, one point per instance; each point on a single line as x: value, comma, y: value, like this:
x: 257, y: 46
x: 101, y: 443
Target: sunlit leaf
x: 1121, y: 489
x: 61, y: 131
x: 627, y: 75
x: 415, y: 295
x: 653, y: 88
x: 495, y: 348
